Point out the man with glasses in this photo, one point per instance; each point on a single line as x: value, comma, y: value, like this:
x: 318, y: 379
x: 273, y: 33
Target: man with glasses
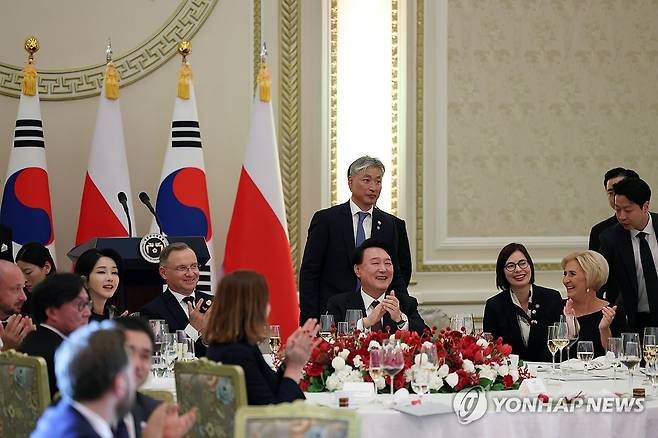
x: 61, y: 305
x: 181, y: 305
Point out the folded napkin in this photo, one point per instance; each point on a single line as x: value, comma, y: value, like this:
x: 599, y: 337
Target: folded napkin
x: 598, y: 363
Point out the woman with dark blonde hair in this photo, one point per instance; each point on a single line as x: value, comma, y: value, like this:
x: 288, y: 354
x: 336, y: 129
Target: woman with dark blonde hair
x: 238, y: 321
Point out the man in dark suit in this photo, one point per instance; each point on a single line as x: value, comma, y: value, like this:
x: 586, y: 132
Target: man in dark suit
x: 181, y: 306
x: 6, y: 244
x: 14, y: 327
x: 611, y: 177
x: 335, y: 232
x: 631, y: 250
x: 395, y: 310
x: 61, y: 305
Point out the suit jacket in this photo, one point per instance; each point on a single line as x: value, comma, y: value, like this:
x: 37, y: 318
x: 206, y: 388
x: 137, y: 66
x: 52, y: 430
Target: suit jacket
x: 63, y: 421
x: 166, y: 307
x: 339, y: 304
x: 5, y: 239
x: 595, y: 233
x: 43, y: 342
x: 264, y: 386
x: 621, y: 287
x: 500, y: 319
x: 142, y: 410
x: 327, y: 268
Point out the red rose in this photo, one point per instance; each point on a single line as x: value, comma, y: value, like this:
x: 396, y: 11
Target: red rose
x: 304, y: 384
x: 507, y: 381
x: 314, y: 370
x: 506, y: 349
x: 543, y: 398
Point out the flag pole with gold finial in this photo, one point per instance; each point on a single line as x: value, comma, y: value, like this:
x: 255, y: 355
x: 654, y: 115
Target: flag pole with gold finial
x: 185, y: 73
x: 29, y: 84
x: 264, y: 79
x: 112, y: 77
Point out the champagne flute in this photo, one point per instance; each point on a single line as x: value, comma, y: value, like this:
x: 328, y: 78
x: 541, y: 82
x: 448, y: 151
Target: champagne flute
x: 552, y: 346
x: 631, y: 358
x: 326, y: 326
x: 585, y: 352
x: 392, y: 360
x: 169, y: 351
x: 352, y: 316
x: 375, y: 367
x: 651, y: 370
x: 573, y: 329
x: 614, y: 353
x: 649, y: 348
x: 275, y: 338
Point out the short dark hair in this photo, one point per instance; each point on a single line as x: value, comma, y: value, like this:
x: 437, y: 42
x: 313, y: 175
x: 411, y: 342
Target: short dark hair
x: 89, y: 360
x: 136, y: 324
x: 357, y: 257
x: 36, y: 254
x: 55, y: 291
x: 617, y: 172
x: 175, y: 246
x: 635, y: 189
x: 505, y: 253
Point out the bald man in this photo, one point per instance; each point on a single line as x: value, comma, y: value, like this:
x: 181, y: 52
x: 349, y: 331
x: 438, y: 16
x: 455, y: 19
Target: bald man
x: 14, y: 326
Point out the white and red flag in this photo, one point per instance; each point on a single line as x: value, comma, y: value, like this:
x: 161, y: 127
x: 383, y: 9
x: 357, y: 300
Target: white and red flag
x: 257, y: 238
x: 101, y: 213
x: 26, y: 207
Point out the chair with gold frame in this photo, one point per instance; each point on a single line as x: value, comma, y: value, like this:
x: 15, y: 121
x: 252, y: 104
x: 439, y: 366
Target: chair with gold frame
x: 216, y: 390
x: 24, y: 392
x: 297, y: 419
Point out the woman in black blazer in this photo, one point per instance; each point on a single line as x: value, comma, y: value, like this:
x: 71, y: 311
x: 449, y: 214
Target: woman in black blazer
x: 238, y: 321
x: 522, y: 311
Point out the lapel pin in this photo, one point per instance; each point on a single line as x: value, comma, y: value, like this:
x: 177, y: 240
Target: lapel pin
x: 533, y: 321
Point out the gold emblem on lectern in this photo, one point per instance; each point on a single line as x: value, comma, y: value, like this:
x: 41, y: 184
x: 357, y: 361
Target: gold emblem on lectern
x: 151, y: 246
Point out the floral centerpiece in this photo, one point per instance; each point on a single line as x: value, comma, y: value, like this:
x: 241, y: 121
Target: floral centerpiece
x: 466, y: 360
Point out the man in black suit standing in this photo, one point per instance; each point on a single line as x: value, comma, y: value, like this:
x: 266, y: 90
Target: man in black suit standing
x: 631, y: 250
x: 395, y: 311
x: 335, y: 232
x: 61, y: 304
x: 611, y: 177
x: 14, y: 327
x: 181, y: 306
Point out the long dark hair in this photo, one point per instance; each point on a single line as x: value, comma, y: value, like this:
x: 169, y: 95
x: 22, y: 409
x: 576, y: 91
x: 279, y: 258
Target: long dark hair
x: 36, y: 254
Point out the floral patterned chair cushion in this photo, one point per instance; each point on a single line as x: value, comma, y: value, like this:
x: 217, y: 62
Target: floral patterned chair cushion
x: 216, y: 390
x: 24, y: 393
x: 295, y: 420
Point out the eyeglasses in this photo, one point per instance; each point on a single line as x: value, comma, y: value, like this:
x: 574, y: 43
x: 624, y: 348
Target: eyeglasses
x: 511, y: 266
x: 82, y: 305
x: 183, y: 269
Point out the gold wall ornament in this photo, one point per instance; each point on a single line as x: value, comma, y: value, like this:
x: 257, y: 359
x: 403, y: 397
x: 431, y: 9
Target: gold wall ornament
x: 133, y: 65
x: 29, y: 82
x: 31, y: 46
x: 290, y: 117
x: 184, y: 49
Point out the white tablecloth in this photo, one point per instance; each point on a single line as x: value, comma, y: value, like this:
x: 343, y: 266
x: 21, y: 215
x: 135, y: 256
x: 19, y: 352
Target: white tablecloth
x: 378, y: 419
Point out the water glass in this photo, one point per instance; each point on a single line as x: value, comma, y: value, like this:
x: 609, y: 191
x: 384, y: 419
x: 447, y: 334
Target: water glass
x: 429, y: 357
x: 585, y: 352
x: 169, y: 351
x: 326, y: 326
x: 651, y: 370
x: 631, y: 358
x: 341, y: 329
x: 463, y: 322
x: 159, y: 328
x: 352, y: 316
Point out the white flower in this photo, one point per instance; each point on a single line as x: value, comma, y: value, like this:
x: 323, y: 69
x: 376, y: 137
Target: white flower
x: 468, y: 366
x: 514, y: 372
x: 436, y: 382
x: 503, y: 370
x: 338, y: 363
x: 333, y: 383
x: 373, y: 344
x: 444, y: 370
x: 487, y: 372
x: 427, y: 344
x: 408, y: 375
x: 344, y: 354
x: 357, y: 361
x: 421, y: 357
x: 452, y: 379
x: 380, y: 383
x: 392, y: 338
x: 404, y: 347
x: 482, y: 342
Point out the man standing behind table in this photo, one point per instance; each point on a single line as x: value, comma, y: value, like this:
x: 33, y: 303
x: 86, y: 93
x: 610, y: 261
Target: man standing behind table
x: 397, y: 311
x: 335, y: 232
x: 14, y: 327
x: 631, y: 250
x: 181, y: 306
x: 611, y: 177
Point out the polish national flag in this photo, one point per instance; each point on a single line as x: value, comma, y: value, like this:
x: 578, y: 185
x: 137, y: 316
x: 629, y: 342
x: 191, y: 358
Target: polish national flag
x: 257, y: 238
x: 101, y: 213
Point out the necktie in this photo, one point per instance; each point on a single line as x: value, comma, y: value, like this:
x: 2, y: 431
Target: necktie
x: 649, y: 271
x: 378, y: 325
x: 121, y: 431
x: 189, y: 299
x: 360, y: 237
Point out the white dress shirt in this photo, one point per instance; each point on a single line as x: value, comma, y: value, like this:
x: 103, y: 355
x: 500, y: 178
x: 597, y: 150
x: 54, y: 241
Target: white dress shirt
x: 367, y: 222
x: 524, y: 325
x: 642, y: 297
x: 189, y: 330
x: 367, y: 303
x: 98, y: 423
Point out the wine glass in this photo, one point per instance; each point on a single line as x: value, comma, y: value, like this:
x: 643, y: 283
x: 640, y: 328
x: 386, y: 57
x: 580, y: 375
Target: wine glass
x: 585, y: 352
x: 420, y: 380
x: 326, y: 325
x: 375, y: 367
x: 651, y: 370
x: 159, y: 328
x: 631, y: 358
x: 462, y: 322
x: 275, y: 338
x: 429, y: 357
x: 614, y: 353
x: 158, y: 366
x: 552, y: 346
x: 487, y: 336
x: 573, y: 329
x: 352, y: 316
x: 342, y: 329
x: 649, y: 348
x: 561, y: 339
x: 392, y: 360
x: 169, y: 350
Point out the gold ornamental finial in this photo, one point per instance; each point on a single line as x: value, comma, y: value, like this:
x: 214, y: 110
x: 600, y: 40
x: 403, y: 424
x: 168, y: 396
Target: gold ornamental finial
x: 108, y: 51
x: 31, y: 46
x: 184, y: 49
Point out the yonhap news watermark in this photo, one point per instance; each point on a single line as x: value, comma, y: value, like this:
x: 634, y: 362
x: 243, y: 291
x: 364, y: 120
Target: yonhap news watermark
x: 471, y: 404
